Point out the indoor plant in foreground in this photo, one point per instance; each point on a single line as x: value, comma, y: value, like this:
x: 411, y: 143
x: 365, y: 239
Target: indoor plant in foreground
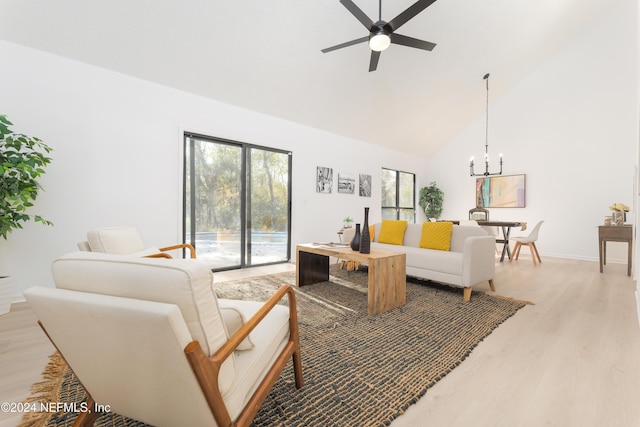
x: 23, y: 159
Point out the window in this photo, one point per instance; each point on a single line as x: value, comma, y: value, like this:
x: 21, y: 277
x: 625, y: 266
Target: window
x: 237, y: 202
x: 398, y: 195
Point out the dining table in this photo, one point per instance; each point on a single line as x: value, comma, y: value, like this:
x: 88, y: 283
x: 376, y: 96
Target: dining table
x: 506, y: 227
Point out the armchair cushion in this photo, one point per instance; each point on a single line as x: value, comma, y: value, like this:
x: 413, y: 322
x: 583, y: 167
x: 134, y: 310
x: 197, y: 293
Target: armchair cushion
x: 269, y: 338
x: 118, y: 363
x: 234, y: 318
x: 155, y: 326
x: 126, y: 241
x: 115, y: 240
x: 185, y: 282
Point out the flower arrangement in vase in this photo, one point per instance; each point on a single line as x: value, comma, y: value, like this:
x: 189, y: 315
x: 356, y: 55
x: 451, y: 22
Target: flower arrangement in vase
x: 619, y: 213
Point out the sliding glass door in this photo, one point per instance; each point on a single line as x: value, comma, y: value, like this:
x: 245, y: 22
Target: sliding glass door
x: 237, y: 202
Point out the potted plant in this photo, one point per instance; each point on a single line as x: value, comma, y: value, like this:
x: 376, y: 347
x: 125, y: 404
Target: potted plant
x: 346, y: 222
x: 23, y: 159
x: 431, y: 199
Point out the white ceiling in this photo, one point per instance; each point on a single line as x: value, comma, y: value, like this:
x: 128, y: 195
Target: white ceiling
x: 265, y: 55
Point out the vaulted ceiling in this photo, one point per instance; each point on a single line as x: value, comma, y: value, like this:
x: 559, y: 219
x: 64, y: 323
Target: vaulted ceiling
x: 266, y: 55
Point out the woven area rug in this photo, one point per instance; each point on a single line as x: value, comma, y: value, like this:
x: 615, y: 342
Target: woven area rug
x: 359, y: 370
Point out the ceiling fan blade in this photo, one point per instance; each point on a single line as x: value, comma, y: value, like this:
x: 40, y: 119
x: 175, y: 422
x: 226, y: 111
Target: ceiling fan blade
x: 373, y: 63
x: 345, y: 44
x: 411, y: 42
x: 358, y: 13
x: 409, y: 13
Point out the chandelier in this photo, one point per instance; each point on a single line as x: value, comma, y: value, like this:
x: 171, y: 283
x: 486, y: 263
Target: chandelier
x: 486, y: 144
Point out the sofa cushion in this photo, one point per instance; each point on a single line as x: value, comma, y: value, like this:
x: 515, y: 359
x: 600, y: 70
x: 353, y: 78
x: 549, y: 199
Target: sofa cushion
x: 428, y: 259
x: 436, y: 235
x: 460, y: 234
x: 435, y: 260
x: 392, y: 231
x: 349, y: 233
x: 412, y: 235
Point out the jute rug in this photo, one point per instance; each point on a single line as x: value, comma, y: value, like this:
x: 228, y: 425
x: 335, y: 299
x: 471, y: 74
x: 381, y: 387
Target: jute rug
x: 359, y: 370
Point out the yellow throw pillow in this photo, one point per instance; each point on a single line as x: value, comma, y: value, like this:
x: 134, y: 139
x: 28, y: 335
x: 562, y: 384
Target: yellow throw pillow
x: 392, y: 231
x: 436, y: 235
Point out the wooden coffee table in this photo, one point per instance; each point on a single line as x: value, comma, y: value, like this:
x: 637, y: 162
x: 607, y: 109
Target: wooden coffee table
x: 387, y: 272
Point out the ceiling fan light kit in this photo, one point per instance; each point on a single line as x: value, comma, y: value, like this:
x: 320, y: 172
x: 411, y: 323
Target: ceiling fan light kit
x: 379, y: 41
x: 381, y: 33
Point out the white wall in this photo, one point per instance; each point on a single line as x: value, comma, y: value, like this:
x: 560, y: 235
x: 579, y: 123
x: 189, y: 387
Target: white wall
x: 117, y: 158
x: 572, y: 127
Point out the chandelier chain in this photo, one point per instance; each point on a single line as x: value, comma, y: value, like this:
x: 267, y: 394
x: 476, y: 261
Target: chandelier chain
x: 486, y: 141
x: 486, y: 132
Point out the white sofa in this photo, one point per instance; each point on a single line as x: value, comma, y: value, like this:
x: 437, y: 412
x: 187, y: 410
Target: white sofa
x: 470, y: 260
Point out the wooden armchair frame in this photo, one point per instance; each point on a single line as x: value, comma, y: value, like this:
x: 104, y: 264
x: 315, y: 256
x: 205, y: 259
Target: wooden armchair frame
x: 163, y: 251
x: 208, y: 368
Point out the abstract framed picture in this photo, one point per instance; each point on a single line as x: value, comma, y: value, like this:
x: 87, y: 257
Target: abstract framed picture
x: 324, y: 179
x: 501, y: 191
x: 365, y: 185
x: 346, y: 183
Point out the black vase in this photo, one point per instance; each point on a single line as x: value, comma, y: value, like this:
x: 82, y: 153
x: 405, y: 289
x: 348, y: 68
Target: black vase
x: 365, y: 240
x: 355, y: 242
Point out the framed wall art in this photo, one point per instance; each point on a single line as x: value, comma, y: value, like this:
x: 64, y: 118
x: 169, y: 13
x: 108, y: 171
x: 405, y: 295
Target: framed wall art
x: 501, y: 191
x: 324, y: 179
x: 365, y: 185
x: 346, y: 183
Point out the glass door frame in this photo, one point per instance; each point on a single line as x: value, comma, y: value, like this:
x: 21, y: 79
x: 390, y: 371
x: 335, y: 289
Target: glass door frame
x: 397, y: 206
x: 245, y: 188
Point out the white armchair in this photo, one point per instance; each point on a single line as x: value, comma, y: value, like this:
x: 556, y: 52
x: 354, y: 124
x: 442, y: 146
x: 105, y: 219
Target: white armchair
x: 126, y: 240
x: 149, y: 338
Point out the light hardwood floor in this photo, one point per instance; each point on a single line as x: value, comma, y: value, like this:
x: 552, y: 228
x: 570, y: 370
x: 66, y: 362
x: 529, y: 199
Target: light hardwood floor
x: 572, y: 359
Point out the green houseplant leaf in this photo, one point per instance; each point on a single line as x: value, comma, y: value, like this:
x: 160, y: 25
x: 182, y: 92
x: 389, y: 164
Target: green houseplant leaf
x: 431, y: 199
x: 23, y: 159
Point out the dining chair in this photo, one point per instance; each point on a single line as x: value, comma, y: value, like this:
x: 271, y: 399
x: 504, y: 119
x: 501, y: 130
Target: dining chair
x: 530, y: 241
x: 479, y: 214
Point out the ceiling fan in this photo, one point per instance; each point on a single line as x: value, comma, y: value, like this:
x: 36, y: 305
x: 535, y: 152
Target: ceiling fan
x: 381, y: 33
